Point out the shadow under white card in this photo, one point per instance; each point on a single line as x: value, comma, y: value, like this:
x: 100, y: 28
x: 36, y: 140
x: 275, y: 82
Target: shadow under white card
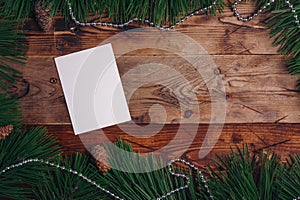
x: 93, y: 89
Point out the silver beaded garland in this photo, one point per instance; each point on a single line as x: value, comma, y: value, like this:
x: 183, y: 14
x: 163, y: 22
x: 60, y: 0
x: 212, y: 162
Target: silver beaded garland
x: 63, y: 168
x: 249, y: 18
x: 234, y: 8
x: 239, y: 17
x: 185, y: 177
x: 138, y: 19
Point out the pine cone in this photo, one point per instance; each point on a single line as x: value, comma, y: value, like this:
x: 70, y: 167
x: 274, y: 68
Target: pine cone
x: 5, y: 131
x: 101, y: 157
x: 42, y: 15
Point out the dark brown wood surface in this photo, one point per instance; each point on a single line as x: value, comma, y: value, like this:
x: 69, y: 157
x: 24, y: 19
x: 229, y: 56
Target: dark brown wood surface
x: 279, y: 138
x: 263, y: 108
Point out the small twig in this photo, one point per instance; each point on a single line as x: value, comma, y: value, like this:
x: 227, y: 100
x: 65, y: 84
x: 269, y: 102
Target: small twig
x: 272, y: 145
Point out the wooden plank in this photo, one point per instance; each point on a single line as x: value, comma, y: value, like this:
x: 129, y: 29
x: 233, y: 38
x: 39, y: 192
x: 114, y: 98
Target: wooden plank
x: 279, y: 138
x: 258, y: 88
x: 221, y: 34
x: 216, y: 40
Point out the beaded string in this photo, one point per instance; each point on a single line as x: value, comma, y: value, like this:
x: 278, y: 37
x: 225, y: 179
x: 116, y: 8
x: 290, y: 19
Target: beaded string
x: 90, y: 181
x: 249, y: 18
x: 147, y: 21
x: 234, y: 8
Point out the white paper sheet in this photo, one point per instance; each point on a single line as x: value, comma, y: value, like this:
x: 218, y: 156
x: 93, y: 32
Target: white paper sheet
x: 93, y: 89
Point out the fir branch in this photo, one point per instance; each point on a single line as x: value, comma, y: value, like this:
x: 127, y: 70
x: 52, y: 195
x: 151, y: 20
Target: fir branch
x: 80, y: 8
x: 291, y: 179
x: 159, y: 11
x: 150, y: 185
x: 294, y: 65
x: 64, y: 185
x: 10, y: 112
x: 17, y: 9
x: 241, y: 175
x: 286, y: 33
x: 18, y: 146
x: 11, y: 51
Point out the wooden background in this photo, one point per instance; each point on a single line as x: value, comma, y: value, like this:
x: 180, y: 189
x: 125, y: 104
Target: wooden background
x: 263, y: 108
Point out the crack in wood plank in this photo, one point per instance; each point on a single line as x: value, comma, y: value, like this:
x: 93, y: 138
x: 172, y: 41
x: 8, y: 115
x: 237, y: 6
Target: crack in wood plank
x: 272, y: 145
x: 250, y: 108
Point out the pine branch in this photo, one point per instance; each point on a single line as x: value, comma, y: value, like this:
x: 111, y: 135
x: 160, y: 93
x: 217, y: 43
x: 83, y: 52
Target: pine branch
x: 64, y: 185
x: 294, y: 65
x: 241, y: 175
x: 18, y: 146
x: 9, y: 111
x: 11, y: 51
x: 291, y: 179
x: 159, y: 11
x: 17, y: 9
x: 150, y: 185
x: 286, y: 33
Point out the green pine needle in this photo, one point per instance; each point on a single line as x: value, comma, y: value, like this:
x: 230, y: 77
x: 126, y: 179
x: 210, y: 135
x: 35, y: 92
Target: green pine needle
x: 18, y: 146
x: 241, y: 175
x: 286, y: 33
x: 11, y: 51
x: 64, y: 185
x: 17, y: 9
x: 150, y: 185
x: 120, y: 11
x: 9, y: 111
x: 291, y: 179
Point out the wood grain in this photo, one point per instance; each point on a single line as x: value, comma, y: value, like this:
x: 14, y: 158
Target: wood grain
x: 280, y: 138
x: 263, y: 108
x: 255, y: 87
x: 219, y: 35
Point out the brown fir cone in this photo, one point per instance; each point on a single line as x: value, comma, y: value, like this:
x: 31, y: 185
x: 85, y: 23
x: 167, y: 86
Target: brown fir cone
x: 101, y: 157
x: 5, y: 131
x: 43, y: 15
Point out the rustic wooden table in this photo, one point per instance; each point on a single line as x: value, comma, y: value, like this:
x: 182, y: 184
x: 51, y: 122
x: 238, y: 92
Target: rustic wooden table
x: 263, y: 109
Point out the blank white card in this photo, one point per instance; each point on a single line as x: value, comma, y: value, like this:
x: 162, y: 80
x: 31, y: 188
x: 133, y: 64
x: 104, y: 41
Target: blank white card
x: 92, y: 89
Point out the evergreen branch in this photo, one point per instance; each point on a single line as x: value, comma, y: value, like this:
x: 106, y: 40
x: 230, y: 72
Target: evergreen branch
x: 291, y: 179
x: 80, y: 8
x: 160, y: 11
x: 64, y: 185
x: 11, y: 51
x: 10, y: 112
x: 18, y: 146
x: 17, y: 9
x: 150, y: 185
x: 286, y: 33
x: 294, y: 65
x: 241, y: 175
